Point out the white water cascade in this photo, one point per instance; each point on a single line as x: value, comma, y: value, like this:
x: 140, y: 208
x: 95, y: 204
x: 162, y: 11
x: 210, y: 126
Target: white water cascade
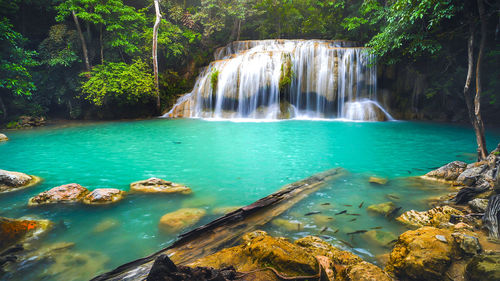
x: 283, y: 79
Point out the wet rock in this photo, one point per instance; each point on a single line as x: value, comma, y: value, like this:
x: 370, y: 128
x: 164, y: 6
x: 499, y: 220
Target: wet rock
x: 379, y: 237
x: 156, y: 185
x: 287, y: 225
x: 365, y: 271
x: 175, y: 221
x: 484, y: 267
x: 478, y: 205
x: 419, y: 255
x: 377, y: 180
x: 105, y: 225
x: 14, y: 231
x: 383, y: 208
x: 318, y: 247
x: 433, y: 217
x: 11, y: 181
x: 469, y: 245
x: 68, y: 193
x: 3, y: 138
x: 104, y: 196
x: 164, y: 269
x: 224, y: 210
x: 260, y: 250
x: 471, y: 175
x: 448, y: 172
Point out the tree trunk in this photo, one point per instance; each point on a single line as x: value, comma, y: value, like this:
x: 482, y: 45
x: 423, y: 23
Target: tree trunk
x: 481, y: 141
x: 155, y: 53
x: 239, y: 30
x: 82, y: 39
x: 470, y: 70
x: 102, y: 46
x: 4, y: 109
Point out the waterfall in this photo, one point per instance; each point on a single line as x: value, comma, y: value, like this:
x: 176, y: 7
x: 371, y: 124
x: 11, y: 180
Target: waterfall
x: 284, y: 79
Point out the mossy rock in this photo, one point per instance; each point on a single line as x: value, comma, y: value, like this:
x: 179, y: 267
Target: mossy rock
x: 383, y: 208
x: 484, y: 267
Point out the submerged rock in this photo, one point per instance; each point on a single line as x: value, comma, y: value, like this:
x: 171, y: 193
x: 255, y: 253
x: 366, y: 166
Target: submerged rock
x: 433, y: 217
x: 70, y: 264
x: 224, y: 210
x: 421, y: 254
x: 105, y: 225
x: 383, y: 208
x: 104, y: 196
x: 156, y: 185
x: 176, y: 221
x: 484, y: 267
x: 68, y: 193
x: 377, y: 180
x: 3, y: 138
x: 11, y: 181
x: 448, y: 172
x: 14, y: 231
x: 287, y: 225
x: 379, y: 237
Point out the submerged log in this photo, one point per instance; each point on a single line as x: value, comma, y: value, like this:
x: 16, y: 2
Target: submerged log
x: 225, y: 231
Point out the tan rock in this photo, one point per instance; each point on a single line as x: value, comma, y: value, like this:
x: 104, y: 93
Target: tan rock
x: 377, y: 180
x: 287, y: 225
x: 379, y: 237
x: 383, y: 208
x: 104, y: 196
x: 422, y: 254
x: 156, y: 185
x: 447, y: 173
x: 433, y: 217
x: 175, y: 221
x: 12, y: 181
x: 3, y: 138
x: 365, y: 271
x: 68, y: 193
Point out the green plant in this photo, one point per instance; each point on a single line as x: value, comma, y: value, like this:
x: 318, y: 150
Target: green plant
x: 214, y: 79
x: 287, y: 74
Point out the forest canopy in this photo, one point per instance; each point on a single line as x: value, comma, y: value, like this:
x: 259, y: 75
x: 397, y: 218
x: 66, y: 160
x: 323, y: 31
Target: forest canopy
x: 92, y: 58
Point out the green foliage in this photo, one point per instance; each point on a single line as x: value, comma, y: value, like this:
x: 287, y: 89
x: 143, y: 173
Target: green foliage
x: 214, y: 79
x: 118, y: 82
x: 286, y: 75
x: 15, y: 62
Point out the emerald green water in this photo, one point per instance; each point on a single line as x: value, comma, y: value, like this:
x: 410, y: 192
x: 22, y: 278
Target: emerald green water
x: 225, y: 164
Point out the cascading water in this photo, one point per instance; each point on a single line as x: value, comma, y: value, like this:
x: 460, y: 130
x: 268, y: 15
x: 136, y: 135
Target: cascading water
x: 281, y: 79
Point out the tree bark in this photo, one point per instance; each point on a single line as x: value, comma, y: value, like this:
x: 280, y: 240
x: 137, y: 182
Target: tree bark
x: 82, y: 39
x: 470, y: 70
x: 101, y: 45
x: 155, y: 53
x: 4, y: 109
x: 481, y: 141
x: 239, y: 30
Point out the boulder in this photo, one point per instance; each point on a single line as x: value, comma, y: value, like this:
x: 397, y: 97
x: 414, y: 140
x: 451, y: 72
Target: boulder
x: 383, y: 208
x: 104, y: 196
x: 448, y: 172
x: 259, y: 251
x: 14, y: 231
x: 11, y: 181
x: 156, y: 185
x: 377, y: 180
x: 470, y: 176
x: 68, y: 193
x: 468, y: 245
x: 433, y: 217
x: 422, y: 254
x: 3, y: 138
x: 484, y: 267
x: 365, y: 271
x: 176, y: 221
x: 478, y: 205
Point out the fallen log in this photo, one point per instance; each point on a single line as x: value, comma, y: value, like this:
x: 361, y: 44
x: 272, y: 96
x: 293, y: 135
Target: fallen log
x: 225, y: 231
